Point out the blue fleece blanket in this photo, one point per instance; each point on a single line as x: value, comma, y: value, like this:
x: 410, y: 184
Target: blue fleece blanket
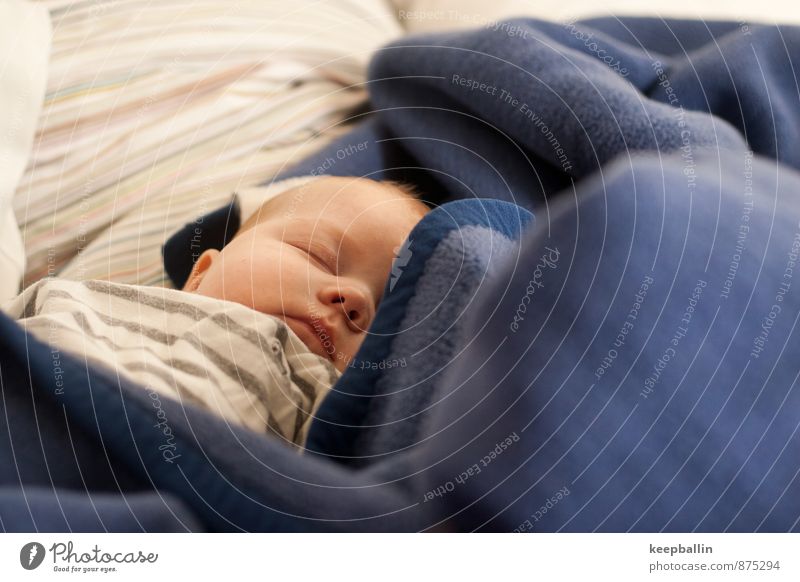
x: 634, y: 367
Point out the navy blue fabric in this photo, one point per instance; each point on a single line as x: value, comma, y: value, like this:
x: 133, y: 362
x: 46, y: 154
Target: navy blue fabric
x: 62, y: 510
x: 711, y: 444
x: 456, y: 142
x: 689, y: 424
x: 431, y: 340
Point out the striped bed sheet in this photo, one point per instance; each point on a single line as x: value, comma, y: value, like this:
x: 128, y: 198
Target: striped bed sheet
x: 155, y: 113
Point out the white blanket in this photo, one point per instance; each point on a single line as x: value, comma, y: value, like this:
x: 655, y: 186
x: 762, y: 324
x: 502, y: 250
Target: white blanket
x: 248, y: 367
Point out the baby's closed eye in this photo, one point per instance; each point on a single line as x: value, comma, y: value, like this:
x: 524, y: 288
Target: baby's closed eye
x: 321, y: 256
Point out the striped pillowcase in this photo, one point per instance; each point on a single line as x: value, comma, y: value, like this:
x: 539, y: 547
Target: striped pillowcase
x: 155, y: 113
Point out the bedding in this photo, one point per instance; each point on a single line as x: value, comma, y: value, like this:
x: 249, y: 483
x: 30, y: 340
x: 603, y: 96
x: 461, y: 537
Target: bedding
x: 247, y: 367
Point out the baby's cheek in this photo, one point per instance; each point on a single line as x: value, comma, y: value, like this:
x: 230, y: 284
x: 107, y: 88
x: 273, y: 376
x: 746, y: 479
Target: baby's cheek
x: 211, y: 283
x: 356, y: 345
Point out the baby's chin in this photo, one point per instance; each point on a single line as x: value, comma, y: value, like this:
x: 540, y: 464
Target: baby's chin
x: 341, y: 360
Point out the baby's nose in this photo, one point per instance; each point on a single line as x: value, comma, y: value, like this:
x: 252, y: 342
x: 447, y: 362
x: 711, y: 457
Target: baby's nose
x: 356, y: 306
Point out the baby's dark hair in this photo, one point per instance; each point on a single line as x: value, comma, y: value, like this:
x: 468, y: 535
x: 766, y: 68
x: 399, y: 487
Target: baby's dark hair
x: 268, y: 208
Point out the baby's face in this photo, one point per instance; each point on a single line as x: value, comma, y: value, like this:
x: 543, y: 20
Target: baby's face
x: 319, y: 260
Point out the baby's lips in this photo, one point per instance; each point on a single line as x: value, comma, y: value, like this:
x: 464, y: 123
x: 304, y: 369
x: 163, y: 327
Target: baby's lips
x: 307, y: 332
x: 323, y: 332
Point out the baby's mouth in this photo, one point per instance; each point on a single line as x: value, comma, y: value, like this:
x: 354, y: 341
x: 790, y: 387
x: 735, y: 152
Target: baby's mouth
x: 318, y: 341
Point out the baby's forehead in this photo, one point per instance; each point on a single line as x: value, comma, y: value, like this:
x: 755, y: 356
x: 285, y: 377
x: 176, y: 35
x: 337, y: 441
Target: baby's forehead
x: 344, y: 212
x: 337, y: 188
x: 340, y: 198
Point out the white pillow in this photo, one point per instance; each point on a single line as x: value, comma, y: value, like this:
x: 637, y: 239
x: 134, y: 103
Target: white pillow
x: 24, y: 49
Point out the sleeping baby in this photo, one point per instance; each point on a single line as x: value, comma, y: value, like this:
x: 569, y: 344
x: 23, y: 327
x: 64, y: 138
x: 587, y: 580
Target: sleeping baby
x: 264, y: 327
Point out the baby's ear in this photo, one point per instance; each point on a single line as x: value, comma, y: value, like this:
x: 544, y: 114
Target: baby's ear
x: 199, y: 269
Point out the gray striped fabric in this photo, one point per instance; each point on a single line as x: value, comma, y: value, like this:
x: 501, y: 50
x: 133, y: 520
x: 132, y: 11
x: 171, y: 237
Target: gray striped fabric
x: 248, y: 367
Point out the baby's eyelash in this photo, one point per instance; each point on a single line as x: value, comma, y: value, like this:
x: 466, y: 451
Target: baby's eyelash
x: 319, y: 259
x: 326, y: 264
